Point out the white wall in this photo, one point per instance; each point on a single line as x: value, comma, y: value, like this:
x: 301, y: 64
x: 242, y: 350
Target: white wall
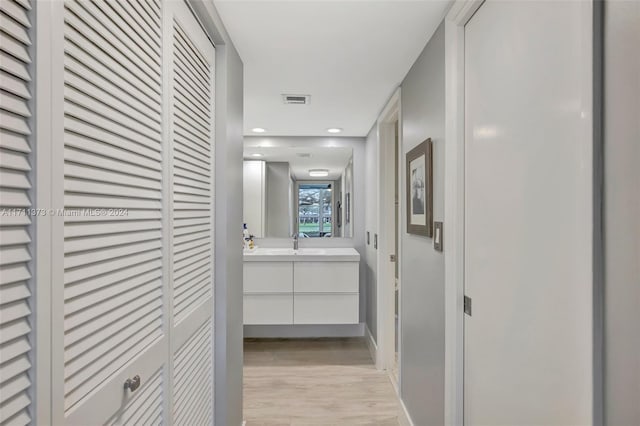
x: 422, y: 268
x: 254, y: 196
x: 622, y: 211
x: 278, y: 200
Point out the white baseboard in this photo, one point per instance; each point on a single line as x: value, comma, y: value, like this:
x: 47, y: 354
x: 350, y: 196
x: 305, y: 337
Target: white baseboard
x: 372, y: 345
x: 403, y: 416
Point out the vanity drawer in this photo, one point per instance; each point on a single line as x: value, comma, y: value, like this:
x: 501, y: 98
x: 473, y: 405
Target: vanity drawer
x: 268, y: 309
x: 268, y: 277
x: 326, y: 277
x: 326, y: 309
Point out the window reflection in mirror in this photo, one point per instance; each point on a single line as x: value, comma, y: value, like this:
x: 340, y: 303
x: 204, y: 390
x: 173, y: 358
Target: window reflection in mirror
x: 315, y: 213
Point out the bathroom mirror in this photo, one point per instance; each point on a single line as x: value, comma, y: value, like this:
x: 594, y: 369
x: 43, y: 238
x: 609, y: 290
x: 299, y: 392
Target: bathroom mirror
x: 298, y: 190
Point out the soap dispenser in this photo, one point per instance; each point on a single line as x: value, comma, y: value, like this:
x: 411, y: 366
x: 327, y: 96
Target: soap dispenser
x: 245, y: 236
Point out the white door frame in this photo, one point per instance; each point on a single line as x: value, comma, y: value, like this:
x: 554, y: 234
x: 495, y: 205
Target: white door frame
x: 455, y: 21
x: 385, y: 352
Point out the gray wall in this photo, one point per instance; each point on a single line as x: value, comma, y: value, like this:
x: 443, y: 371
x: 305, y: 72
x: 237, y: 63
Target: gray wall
x: 371, y: 226
x: 422, y: 268
x: 228, y: 244
x: 227, y: 343
x: 278, y: 204
x: 357, y: 200
x: 622, y: 212
x: 228, y: 247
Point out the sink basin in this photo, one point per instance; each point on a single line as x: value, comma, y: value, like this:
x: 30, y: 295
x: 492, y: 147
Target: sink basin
x: 273, y: 254
x: 312, y: 251
x: 270, y: 251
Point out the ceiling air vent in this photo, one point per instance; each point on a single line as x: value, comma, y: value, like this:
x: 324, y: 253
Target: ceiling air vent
x: 296, y: 99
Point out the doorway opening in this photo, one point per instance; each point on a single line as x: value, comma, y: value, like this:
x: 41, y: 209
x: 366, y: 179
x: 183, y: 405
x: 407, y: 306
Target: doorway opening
x: 389, y: 251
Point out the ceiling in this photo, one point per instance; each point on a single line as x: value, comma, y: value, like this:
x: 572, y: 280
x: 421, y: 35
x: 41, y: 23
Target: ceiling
x: 349, y: 55
x: 301, y: 159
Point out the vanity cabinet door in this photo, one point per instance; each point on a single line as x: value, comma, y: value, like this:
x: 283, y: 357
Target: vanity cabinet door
x: 268, y: 277
x: 268, y: 293
x: 326, y: 308
x: 268, y: 309
x: 326, y: 293
x: 326, y: 277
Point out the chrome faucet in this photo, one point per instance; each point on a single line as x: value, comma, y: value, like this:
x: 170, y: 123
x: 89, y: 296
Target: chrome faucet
x: 295, y: 241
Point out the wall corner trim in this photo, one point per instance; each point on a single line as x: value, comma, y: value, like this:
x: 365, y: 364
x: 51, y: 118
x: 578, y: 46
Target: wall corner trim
x: 404, y: 418
x: 373, y: 347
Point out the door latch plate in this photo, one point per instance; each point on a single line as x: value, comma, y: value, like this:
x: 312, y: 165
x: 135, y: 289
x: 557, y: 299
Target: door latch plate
x: 467, y: 305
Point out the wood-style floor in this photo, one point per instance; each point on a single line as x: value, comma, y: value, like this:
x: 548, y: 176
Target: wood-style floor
x: 328, y: 382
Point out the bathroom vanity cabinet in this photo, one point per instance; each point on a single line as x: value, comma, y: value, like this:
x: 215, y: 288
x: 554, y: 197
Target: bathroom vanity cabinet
x: 301, y: 287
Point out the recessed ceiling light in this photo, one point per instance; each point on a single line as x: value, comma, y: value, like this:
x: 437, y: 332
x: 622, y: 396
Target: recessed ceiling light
x: 334, y: 130
x: 318, y: 172
x: 257, y: 155
x: 258, y: 130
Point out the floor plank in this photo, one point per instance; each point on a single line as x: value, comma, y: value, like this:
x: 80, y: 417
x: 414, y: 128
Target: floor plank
x: 313, y: 382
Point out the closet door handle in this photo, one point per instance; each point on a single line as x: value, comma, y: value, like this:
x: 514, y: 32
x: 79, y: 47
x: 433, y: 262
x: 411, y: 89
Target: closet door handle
x: 132, y: 384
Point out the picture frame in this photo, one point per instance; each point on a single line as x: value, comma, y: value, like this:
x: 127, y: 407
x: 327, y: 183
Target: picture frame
x: 419, y: 186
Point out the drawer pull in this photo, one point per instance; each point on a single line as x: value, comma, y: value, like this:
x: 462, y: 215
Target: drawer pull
x: 132, y: 384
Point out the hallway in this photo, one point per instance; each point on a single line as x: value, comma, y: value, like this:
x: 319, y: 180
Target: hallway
x: 319, y: 213
x: 315, y: 382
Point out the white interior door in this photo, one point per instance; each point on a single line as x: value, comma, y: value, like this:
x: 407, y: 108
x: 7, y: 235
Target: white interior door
x: 115, y: 278
x: 192, y: 86
x: 136, y: 300
x: 528, y: 220
x: 16, y: 241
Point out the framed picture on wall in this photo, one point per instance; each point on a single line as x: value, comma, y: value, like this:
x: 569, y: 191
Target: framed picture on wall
x: 420, y: 189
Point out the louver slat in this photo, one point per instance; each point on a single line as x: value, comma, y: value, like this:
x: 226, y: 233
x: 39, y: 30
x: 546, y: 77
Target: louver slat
x: 15, y: 184
x: 113, y: 305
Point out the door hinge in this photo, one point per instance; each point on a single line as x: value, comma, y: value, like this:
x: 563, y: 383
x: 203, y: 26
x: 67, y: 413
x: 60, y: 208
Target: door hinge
x: 392, y: 257
x: 467, y: 305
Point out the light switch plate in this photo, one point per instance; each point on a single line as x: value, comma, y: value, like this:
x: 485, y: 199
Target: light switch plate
x: 438, y: 236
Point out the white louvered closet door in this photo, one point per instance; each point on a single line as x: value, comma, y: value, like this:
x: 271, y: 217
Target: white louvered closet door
x: 137, y: 287
x: 116, y: 280
x: 15, y: 231
x: 192, y: 132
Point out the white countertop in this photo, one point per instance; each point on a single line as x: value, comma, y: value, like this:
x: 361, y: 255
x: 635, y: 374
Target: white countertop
x: 268, y: 254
